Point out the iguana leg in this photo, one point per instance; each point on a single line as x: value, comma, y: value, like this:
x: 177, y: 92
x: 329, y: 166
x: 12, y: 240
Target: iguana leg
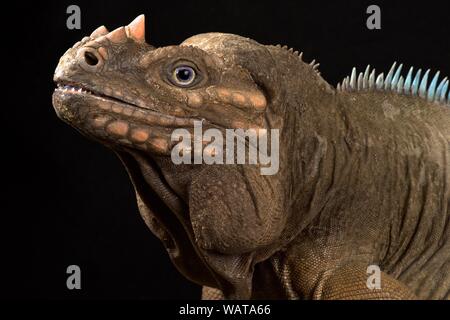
x: 209, y: 293
x: 349, y: 282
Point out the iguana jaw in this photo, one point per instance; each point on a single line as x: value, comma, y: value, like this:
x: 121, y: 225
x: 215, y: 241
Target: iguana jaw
x: 86, y: 110
x: 116, y: 121
x: 82, y: 108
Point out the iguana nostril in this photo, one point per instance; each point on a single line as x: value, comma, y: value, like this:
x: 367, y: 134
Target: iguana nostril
x: 90, y: 58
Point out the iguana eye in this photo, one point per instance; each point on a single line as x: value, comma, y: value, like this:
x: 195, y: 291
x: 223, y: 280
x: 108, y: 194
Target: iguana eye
x: 183, y: 75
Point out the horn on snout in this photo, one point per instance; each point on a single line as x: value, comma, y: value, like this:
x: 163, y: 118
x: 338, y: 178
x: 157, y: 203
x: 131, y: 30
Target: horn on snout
x: 118, y: 35
x: 136, y: 29
x: 100, y: 31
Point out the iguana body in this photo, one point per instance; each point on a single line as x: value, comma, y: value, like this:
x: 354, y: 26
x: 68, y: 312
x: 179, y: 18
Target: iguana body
x: 364, y: 175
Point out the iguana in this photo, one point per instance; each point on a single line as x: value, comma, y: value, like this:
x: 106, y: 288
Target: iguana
x: 363, y: 180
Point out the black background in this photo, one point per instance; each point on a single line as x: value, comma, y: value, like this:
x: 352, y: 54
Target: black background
x: 67, y: 200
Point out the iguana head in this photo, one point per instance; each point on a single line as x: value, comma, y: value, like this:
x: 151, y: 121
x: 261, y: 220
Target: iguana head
x: 216, y: 221
x: 115, y: 87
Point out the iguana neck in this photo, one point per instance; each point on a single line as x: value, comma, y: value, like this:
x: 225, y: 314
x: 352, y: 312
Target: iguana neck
x: 312, y: 122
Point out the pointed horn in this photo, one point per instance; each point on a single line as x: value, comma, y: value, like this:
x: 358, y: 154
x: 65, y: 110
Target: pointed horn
x: 100, y: 31
x: 118, y: 36
x: 136, y: 29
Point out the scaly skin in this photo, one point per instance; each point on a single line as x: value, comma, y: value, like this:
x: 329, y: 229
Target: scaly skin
x: 364, y: 177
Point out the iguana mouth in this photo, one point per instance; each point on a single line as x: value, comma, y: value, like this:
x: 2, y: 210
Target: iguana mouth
x: 73, y: 88
x: 76, y: 88
x: 147, y: 115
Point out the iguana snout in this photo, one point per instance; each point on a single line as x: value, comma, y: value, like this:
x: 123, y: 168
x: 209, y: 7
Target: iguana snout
x: 101, y: 90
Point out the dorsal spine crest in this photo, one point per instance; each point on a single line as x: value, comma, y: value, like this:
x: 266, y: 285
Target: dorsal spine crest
x: 312, y: 64
x: 413, y: 84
